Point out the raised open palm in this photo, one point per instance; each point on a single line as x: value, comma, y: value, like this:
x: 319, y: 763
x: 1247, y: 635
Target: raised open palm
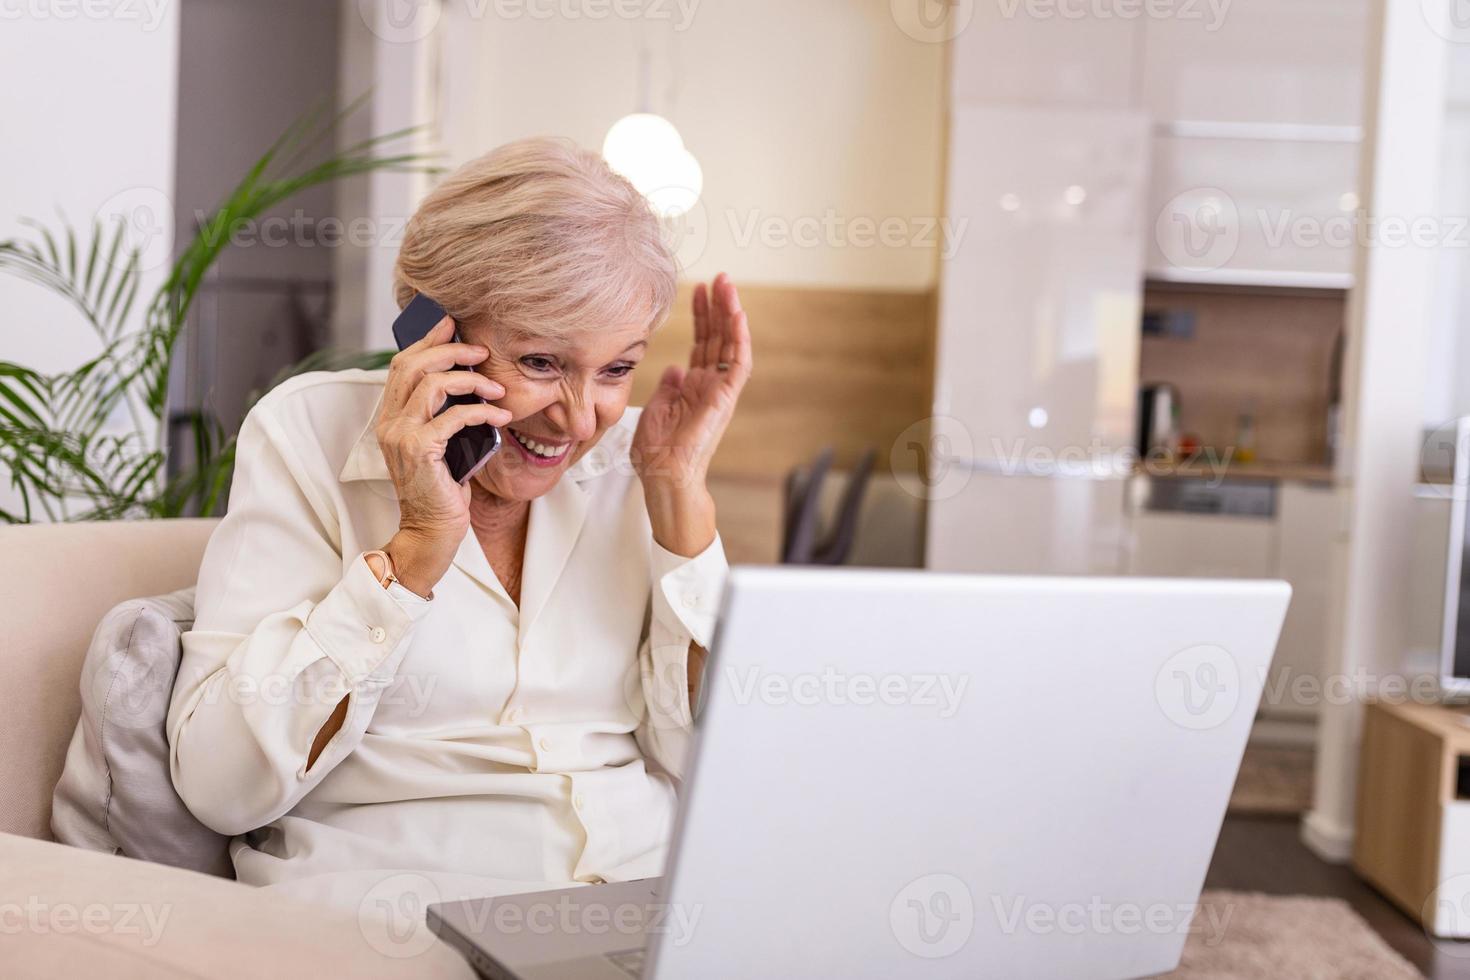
x: 683, y: 421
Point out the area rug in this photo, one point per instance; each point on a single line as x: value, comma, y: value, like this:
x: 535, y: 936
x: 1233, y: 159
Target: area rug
x: 1249, y: 936
x: 1273, y: 780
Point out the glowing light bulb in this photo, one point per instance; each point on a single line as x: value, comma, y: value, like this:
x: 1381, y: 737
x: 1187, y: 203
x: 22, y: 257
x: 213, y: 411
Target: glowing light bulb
x: 648, y: 150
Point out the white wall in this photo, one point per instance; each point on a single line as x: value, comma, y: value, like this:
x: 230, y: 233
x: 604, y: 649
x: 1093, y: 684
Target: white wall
x: 382, y: 51
x: 818, y: 111
x: 1447, y: 392
x: 1389, y: 346
x: 88, y: 105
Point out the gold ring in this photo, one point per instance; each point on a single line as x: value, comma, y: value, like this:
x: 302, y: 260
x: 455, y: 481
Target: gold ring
x: 722, y: 366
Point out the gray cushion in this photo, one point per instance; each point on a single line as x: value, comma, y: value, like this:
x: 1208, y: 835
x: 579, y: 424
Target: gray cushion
x: 115, y: 792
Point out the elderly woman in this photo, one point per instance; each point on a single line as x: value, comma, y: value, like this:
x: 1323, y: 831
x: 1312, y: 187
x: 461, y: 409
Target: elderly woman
x: 485, y: 684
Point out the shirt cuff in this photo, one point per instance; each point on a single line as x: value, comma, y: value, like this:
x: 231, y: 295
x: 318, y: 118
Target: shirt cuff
x: 692, y: 587
x: 359, y: 623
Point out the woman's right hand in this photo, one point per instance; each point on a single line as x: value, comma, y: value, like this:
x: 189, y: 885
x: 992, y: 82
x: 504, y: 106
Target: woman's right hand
x: 433, y: 509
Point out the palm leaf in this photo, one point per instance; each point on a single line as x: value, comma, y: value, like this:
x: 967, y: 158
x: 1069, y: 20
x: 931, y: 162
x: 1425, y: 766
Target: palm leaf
x: 52, y: 443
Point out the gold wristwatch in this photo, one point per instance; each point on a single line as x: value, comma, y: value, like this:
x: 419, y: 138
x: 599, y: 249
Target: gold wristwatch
x: 386, y: 577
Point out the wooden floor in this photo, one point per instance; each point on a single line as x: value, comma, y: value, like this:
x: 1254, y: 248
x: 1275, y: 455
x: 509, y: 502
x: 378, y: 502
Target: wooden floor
x: 1265, y: 854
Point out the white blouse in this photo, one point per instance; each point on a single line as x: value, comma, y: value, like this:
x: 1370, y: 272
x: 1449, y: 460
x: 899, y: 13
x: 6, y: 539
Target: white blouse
x: 489, y: 747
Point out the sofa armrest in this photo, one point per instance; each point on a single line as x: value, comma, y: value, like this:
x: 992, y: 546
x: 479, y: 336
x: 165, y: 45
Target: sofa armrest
x: 69, y: 912
x: 56, y: 583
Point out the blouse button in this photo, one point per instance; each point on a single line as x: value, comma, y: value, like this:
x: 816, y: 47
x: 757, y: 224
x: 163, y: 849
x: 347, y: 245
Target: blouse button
x: 513, y: 715
x: 578, y: 802
x: 690, y: 601
x: 378, y: 634
x: 546, y: 745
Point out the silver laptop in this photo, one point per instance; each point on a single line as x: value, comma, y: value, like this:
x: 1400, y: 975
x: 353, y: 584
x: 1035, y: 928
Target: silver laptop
x: 906, y: 774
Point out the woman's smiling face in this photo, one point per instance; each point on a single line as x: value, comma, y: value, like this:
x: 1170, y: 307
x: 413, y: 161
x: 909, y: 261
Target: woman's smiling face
x: 562, y: 394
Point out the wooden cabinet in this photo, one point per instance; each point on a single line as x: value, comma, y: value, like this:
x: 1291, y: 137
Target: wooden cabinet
x: 1412, y: 838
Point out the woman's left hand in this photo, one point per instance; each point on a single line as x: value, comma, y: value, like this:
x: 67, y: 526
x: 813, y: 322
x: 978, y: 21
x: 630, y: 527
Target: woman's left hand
x: 685, y: 418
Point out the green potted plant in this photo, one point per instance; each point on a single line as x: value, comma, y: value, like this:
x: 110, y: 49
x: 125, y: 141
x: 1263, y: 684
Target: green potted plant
x: 53, y: 447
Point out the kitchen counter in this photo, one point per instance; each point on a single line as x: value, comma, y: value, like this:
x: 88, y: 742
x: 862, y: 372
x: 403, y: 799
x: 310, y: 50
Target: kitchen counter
x: 1258, y: 470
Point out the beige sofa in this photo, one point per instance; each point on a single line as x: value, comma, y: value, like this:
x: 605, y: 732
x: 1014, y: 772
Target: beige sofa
x: 67, y: 912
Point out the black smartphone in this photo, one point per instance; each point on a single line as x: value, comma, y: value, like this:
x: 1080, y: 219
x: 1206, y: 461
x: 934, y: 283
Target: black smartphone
x: 472, y: 446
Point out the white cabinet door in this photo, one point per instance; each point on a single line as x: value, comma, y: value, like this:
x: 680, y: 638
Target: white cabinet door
x: 1311, y: 522
x: 1258, y: 107
x: 1172, y: 545
x: 1027, y: 526
x: 1253, y: 211
x: 1006, y: 56
x: 1040, y: 304
x: 1296, y: 62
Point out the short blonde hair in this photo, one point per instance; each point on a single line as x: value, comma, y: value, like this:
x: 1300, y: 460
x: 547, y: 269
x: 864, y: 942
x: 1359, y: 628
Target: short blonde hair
x: 539, y: 237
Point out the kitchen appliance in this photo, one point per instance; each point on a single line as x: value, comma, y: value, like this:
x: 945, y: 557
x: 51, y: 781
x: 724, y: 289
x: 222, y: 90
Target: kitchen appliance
x: 1454, y: 661
x: 1036, y: 380
x: 1158, y: 419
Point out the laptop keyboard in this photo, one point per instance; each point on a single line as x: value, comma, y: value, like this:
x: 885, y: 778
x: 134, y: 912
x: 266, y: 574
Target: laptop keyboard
x: 630, y: 961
